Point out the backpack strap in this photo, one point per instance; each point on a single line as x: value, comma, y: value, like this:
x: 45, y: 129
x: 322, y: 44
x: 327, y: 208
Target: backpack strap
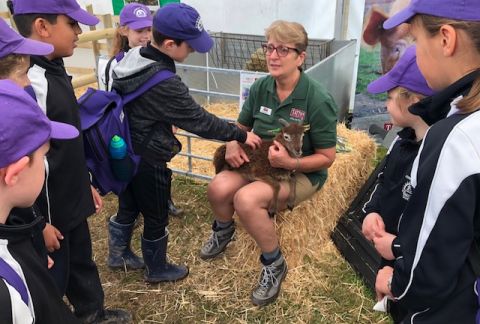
x: 6, y: 313
x: 13, y: 279
x: 107, y: 72
x: 155, y: 79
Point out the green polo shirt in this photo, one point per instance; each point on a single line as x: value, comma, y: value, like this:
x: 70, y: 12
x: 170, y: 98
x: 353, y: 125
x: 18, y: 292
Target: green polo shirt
x: 309, y: 103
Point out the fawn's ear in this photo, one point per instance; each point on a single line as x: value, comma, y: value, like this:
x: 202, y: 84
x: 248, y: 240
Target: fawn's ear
x: 283, y: 122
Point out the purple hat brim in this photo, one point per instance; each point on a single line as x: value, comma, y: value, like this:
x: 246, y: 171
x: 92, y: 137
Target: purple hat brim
x: 62, y: 131
x: 136, y: 25
x: 83, y: 17
x: 381, y: 85
x: 401, y: 17
x: 202, y: 43
x: 33, y: 47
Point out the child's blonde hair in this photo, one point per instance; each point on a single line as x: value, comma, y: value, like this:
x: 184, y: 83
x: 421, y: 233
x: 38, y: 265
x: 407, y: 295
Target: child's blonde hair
x: 288, y: 32
x: 120, y: 42
x: 405, y: 98
x: 10, y: 63
x: 432, y: 25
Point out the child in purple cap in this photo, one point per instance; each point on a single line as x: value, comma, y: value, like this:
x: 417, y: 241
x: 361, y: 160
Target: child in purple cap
x: 177, y: 31
x: 405, y: 86
x: 27, y: 291
x: 14, y: 54
x: 67, y: 198
x: 438, y: 257
x: 135, y: 30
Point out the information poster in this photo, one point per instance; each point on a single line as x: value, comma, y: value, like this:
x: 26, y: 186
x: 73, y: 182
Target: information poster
x: 246, y: 81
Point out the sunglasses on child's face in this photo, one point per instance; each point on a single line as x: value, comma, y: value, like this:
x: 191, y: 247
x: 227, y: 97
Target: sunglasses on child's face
x: 282, y: 50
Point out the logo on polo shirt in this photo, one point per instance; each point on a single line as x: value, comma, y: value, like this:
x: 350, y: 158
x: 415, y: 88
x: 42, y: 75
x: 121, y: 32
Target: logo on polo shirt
x: 140, y: 13
x: 198, y: 24
x: 297, y: 114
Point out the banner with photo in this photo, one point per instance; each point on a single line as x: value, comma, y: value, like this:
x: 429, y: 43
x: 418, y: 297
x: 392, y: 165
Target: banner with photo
x: 151, y: 4
x: 379, y: 52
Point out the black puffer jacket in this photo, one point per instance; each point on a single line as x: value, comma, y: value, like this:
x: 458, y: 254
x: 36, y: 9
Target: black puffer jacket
x: 166, y: 104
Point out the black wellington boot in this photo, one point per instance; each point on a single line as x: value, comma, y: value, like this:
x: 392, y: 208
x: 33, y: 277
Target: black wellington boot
x: 119, y: 253
x: 157, y: 268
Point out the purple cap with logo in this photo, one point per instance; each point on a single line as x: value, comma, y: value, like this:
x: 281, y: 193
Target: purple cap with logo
x: 136, y: 16
x: 453, y: 9
x: 180, y: 21
x: 69, y: 8
x: 13, y: 43
x: 404, y: 74
x: 23, y: 125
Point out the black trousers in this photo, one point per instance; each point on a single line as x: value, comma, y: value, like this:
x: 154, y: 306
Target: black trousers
x: 148, y: 193
x: 75, y: 273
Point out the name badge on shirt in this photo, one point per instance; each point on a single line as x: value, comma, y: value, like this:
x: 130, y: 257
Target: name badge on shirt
x: 265, y: 110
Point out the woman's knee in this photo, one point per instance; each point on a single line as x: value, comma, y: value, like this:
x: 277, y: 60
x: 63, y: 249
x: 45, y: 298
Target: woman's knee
x: 222, y: 189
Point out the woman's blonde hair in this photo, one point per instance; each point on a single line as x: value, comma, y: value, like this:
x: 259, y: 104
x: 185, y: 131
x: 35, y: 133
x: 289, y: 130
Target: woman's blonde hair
x: 432, y: 25
x: 288, y: 32
x: 10, y: 63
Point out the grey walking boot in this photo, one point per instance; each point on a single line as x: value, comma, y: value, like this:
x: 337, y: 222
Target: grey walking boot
x: 119, y: 253
x: 217, y: 241
x: 270, y: 282
x: 157, y: 268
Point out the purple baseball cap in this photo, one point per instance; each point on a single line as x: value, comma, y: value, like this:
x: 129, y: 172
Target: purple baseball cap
x: 453, y: 9
x: 136, y: 16
x: 13, y: 43
x: 404, y: 74
x: 69, y: 8
x: 180, y: 21
x: 23, y: 125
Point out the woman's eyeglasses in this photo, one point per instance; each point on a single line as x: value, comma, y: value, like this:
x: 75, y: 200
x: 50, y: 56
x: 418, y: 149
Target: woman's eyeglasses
x: 282, y: 51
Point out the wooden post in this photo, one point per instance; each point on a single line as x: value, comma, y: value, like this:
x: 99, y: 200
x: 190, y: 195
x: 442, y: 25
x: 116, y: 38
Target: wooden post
x: 108, y: 23
x: 96, y: 49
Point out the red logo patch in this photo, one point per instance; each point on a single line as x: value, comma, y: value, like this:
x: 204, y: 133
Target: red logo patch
x: 297, y: 114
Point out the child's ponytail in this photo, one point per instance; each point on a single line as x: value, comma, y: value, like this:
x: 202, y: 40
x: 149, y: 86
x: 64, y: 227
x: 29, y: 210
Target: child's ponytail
x: 472, y: 101
x: 120, y: 43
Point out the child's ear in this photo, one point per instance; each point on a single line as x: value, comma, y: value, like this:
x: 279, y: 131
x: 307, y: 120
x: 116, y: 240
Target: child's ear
x: 449, y: 37
x: 41, y: 27
x: 168, y: 43
x: 11, y: 172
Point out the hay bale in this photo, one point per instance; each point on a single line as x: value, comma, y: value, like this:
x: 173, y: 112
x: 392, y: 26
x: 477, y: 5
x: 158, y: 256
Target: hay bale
x: 257, y: 61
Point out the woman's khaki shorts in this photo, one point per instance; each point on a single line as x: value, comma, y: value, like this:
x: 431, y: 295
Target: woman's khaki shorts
x: 303, y: 188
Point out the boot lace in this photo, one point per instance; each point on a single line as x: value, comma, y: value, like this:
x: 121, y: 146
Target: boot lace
x: 267, y: 278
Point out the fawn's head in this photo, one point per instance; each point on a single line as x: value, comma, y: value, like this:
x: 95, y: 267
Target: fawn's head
x: 291, y: 136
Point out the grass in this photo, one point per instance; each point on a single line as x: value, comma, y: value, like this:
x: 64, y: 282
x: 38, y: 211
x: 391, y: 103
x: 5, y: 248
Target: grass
x: 328, y: 290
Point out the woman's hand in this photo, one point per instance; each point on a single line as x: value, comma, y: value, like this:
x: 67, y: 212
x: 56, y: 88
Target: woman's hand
x: 279, y: 157
x: 371, y: 225
x: 52, y: 237
x: 235, y: 155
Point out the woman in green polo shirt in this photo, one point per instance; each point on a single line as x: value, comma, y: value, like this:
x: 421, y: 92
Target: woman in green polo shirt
x: 290, y: 94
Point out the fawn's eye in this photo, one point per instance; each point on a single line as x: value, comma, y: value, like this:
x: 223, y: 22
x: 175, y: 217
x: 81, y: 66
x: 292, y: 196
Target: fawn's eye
x: 287, y: 137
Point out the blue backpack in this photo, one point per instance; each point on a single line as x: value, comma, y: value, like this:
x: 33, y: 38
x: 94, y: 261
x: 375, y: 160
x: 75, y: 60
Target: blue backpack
x: 102, y: 116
